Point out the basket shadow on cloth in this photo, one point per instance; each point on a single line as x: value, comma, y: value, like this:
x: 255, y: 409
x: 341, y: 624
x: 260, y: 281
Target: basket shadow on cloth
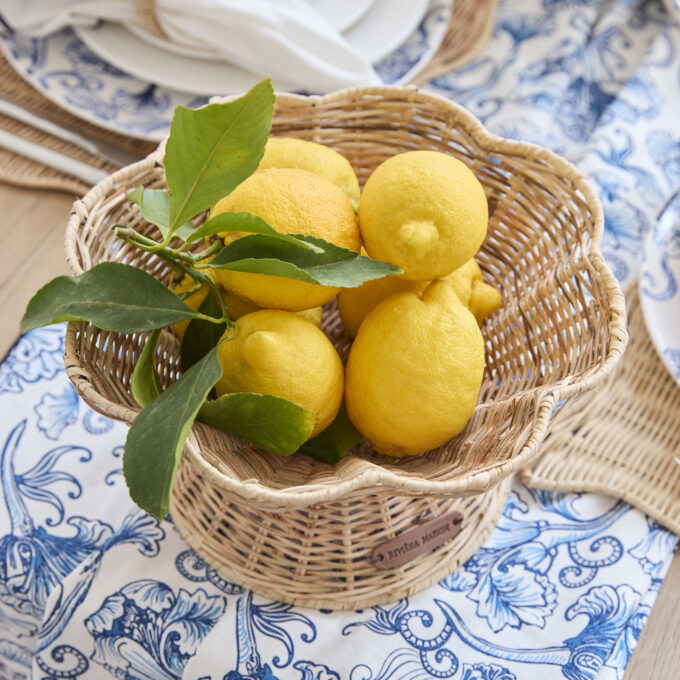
x: 300, y: 530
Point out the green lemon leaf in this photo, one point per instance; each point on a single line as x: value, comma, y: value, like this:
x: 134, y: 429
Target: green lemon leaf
x: 154, y: 206
x: 336, y: 441
x: 335, y: 266
x: 144, y: 383
x: 244, y: 221
x: 211, y: 150
x: 185, y: 231
x: 201, y: 336
x: 113, y: 296
x: 274, y: 424
x: 156, y: 439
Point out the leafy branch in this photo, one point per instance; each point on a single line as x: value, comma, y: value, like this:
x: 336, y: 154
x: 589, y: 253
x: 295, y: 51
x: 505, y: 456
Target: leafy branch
x: 209, y: 152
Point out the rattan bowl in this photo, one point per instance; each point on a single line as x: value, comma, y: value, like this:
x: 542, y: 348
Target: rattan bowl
x: 303, y: 531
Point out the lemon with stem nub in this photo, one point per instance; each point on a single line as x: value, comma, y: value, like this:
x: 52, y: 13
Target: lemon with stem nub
x: 355, y: 303
x: 423, y: 211
x: 281, y: 353
x: 479, y: 297
x: 414, y: 371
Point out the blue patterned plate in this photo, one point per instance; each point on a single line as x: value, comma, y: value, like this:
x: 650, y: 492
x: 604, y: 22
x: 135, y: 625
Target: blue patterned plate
x: 63, y: 68
x: 659, y: 281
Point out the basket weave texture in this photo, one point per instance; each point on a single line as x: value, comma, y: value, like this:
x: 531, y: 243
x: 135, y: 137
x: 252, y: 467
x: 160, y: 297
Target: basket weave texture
x: 560, y: 331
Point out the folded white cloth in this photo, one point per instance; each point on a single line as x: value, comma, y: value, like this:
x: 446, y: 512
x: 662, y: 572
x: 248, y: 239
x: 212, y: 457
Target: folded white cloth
x: 285, y: 39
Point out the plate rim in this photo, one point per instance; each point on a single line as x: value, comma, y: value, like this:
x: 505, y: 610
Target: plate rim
x: 357, y: 15
x: 406, y: 32
x: 83, y: 114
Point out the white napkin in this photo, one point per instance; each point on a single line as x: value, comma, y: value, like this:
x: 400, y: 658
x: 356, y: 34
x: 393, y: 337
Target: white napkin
x: 285, y: 39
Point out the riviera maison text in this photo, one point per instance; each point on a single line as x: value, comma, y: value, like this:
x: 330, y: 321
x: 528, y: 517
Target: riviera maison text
x: 408, y: 546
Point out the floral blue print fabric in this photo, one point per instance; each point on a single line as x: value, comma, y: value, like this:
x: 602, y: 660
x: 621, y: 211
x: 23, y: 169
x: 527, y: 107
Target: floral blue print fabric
x: 91, y: 587
x: 598, y: 82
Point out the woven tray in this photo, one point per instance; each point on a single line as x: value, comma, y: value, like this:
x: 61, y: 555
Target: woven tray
x: 560, y: 331
x: 624, y: 438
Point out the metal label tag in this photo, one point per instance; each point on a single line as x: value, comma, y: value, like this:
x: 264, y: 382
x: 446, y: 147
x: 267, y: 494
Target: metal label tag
x: 417, y: 541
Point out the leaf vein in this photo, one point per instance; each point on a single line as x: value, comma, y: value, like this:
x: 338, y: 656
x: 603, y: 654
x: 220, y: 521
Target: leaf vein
x: 199, y: 174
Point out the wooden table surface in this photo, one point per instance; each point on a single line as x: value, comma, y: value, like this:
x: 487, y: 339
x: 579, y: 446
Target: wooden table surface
x: 31, y: 253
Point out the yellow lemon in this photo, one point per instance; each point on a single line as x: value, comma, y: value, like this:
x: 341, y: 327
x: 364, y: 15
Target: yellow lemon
x: 194, y: 300
x: 293, y: 202
x: 280, y: 353
x: 423, y: 211
x: 315, y: 315
x: 484, y: 300
x: 461, y: 280
x: 355, y: 303
x: 239, y: 307
x: 287, y: 152
x: 414, y: 371
x: 479, y: 297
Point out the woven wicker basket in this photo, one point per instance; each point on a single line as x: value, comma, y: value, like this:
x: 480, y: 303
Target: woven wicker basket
x: 303, y: 531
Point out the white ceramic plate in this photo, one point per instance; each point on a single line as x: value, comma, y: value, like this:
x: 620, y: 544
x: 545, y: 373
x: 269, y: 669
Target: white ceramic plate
x: 341, y: 14
x: 660, y: 286
x: 66, y: 71
x: 385, y: 26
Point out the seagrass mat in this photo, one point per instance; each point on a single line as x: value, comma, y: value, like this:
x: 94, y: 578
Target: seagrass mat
x: 623, y: 438
x: 468, y: 31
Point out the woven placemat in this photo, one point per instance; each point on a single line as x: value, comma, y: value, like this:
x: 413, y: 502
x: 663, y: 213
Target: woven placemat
x: 469, y: 28
x: 20, y: 171
x: 623, y: 438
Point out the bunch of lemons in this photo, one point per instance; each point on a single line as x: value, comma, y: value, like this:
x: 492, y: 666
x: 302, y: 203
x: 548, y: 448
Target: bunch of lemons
x: 414, y: 371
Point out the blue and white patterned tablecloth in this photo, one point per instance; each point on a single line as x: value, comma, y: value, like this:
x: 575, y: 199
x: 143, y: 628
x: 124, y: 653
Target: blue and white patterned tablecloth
x: 92, y: 588
x: 598, y: 82
x: 100, y: 589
